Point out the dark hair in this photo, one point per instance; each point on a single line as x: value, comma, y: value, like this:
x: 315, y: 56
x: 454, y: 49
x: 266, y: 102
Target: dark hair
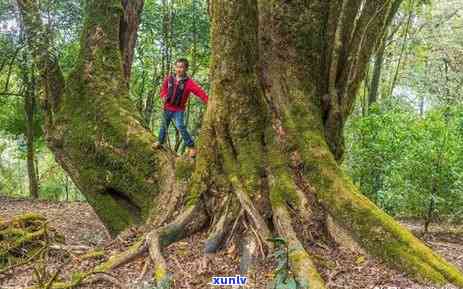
x: 184, y: 61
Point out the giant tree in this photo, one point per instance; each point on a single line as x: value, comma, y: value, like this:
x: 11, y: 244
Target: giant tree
x: 284, y: 79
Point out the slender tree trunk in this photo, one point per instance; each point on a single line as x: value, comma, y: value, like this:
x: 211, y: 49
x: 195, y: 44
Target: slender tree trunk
x: 29, y: 88
x: 379, y: 57
x: 403, y: 48
x: 376, y: 78
x: 31, y: 169
x: 431, y: 207
x: 284, y: 79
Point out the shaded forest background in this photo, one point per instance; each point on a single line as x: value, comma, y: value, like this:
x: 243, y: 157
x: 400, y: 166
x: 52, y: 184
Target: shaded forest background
x: 404, y: 140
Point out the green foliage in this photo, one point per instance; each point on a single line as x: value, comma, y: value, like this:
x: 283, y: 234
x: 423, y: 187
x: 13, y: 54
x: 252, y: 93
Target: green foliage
x: 405, y: 162
x: 405, y: 151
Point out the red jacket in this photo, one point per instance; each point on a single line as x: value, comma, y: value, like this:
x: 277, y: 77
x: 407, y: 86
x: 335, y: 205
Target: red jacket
x: 190, y: 86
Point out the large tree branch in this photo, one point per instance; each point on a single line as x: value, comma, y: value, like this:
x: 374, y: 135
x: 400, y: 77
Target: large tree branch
x: 130, y: 22
x: 368, y: 32
x: 344, y: 79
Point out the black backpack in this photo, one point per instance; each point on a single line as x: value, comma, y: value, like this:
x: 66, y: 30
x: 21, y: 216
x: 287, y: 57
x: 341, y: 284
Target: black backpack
x: 177, y: 98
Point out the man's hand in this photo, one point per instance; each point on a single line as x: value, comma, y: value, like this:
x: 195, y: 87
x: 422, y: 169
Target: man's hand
x: 164, y: 89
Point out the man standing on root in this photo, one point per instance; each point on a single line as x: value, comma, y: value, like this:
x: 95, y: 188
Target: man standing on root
x: 175, y: 92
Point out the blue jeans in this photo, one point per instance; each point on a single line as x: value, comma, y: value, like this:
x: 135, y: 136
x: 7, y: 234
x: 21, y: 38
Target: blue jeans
x: 178, y: 116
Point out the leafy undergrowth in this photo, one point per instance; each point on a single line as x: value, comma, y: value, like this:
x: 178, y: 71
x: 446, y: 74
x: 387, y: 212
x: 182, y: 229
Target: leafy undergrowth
x: 83, y: 231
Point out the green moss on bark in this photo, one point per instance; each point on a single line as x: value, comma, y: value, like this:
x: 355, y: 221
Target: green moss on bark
x: 97, y: 133
x: 376, y: 231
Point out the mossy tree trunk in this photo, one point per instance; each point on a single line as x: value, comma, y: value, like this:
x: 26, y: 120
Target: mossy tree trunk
x: 91, y: 125
x: 285, y: 76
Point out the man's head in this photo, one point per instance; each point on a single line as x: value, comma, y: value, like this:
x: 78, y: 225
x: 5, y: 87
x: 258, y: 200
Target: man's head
x: 181, y: 66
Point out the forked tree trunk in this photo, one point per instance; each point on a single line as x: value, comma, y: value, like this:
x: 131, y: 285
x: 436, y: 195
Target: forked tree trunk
x: 285, y: 76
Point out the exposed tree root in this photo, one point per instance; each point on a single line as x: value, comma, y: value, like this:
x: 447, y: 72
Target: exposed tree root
x: 221, y: 227
x: 24, y: 262
x: 135, y: 250
x: 145, y: 270
x: 283, y: 191
x: 174, y: 175
x: 188, y: 222
x: 301, y: 263
x: 241, y: 192
x: 161, y: 273
x: 378, y: 233
x: 249, y: 252
x: 23, y: 238
x: 341, y: 236
x: 394, y: 243
x: 257, y: 219
x: 185, y: 224
x: 287, y: 193
x: 288, y: 184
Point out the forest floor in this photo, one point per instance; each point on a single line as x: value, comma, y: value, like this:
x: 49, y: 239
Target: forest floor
x: 340, y: 267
